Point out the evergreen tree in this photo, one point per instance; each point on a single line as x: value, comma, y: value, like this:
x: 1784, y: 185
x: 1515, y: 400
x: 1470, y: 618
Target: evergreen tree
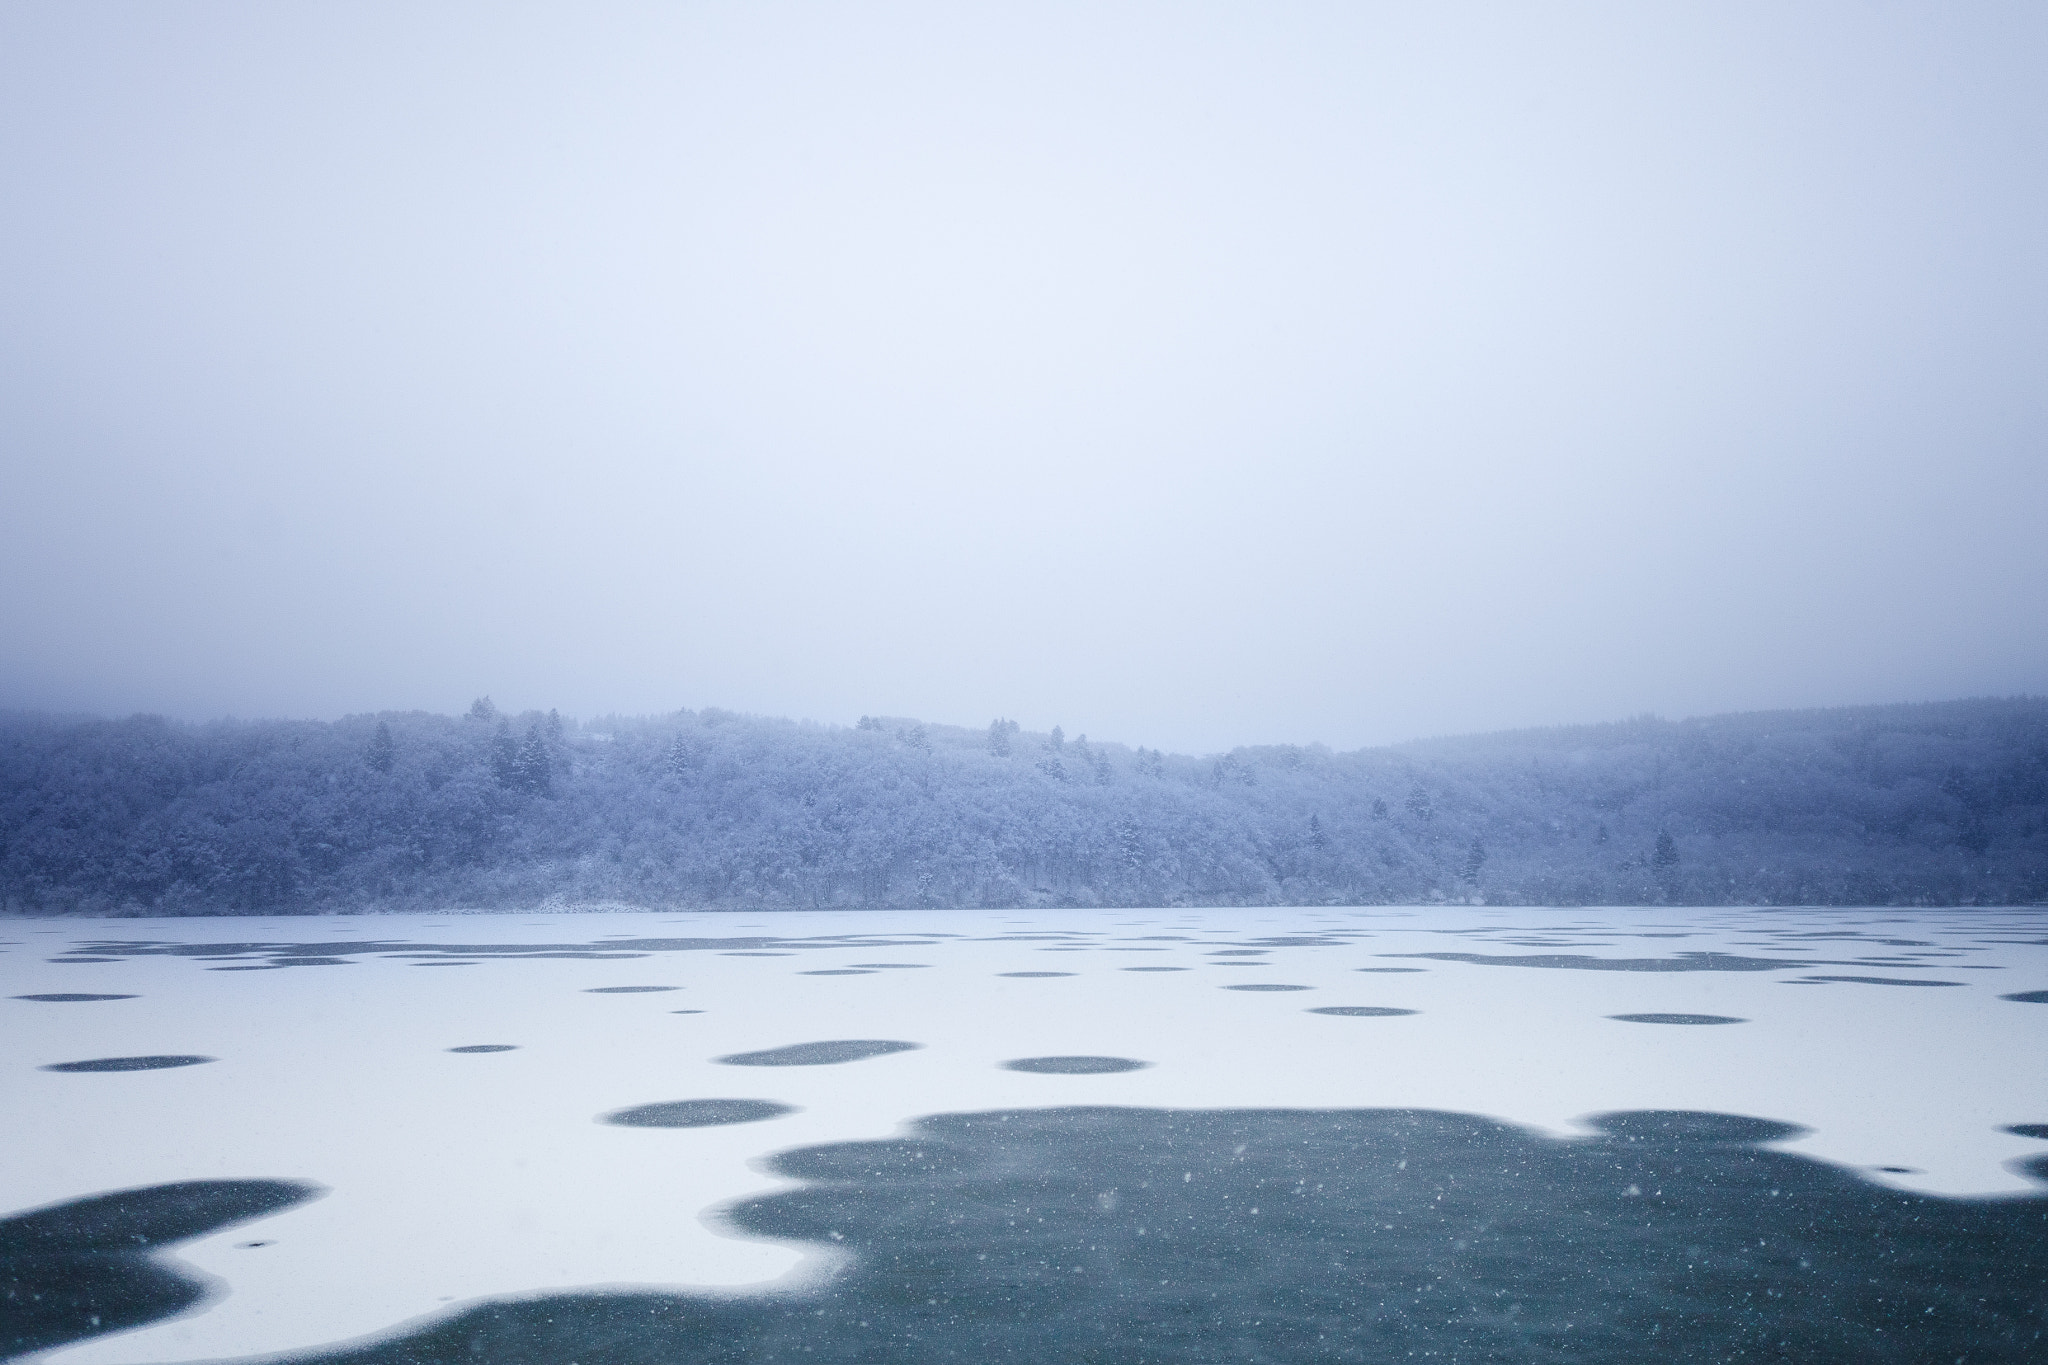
x: 1379, y: 808
x: 504, y: 755
x: 1316, y: 838
x: 1474, y: 860
x: 382, y: 751
x: 1666, y: 856
x: 535, y: 764
x: 999, y: 732
x: 482, y: 709
x: 1419, y: 805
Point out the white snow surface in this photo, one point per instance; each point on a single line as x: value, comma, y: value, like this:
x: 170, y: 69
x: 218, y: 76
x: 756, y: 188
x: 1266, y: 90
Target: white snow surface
x: 452, y: 1177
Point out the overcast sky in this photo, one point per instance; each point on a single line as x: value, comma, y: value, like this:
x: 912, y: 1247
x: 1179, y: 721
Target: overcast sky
x: 1189, y: 375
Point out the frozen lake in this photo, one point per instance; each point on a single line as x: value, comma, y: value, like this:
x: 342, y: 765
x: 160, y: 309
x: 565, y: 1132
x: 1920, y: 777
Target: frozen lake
x: 1316, y: 1134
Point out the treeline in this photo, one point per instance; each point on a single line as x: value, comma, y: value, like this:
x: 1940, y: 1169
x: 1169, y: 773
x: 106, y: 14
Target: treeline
x: 1928, y: 804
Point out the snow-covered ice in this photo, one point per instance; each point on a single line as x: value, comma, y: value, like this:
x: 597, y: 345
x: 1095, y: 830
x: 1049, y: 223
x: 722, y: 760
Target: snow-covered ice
x: 456, y: 1175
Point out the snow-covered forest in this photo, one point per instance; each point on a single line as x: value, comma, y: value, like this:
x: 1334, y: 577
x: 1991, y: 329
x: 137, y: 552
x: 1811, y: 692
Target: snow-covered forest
x: 1938, y: 803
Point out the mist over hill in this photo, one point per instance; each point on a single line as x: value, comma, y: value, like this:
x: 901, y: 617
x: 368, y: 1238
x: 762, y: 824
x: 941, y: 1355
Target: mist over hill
x: 1938, y: 803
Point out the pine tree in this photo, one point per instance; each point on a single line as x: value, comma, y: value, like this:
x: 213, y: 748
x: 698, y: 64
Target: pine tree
x: 999, y: 732
x: 1316, y: 837
x: 536, y: 765
x: 1666, y: 856
x: 1474, y: 860
x: 483, y: 709
x: 1419, y: 806
x: 504, y: 755
x: 382, y: 751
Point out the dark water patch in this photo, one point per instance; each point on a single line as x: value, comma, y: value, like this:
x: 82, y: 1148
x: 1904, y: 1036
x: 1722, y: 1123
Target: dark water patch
x: 891, y: 966
x: 2028, y: 1130
x: 571, y: 956
x: 605, y: 949
x: 839, y: 971
x: 1035, y: 974
x: 1684, y: 962
x: 161, y: 1062
x: 1075, y: 1066
x: 441, y: 964
x: 1156, y: 969
x: 487, y: 1047
x: 2028, y: 997
x: 1237, y: 952
x: 697, y: 1113
x: 1290, y: 1237
x: 1863, y: 938
x: 1678, y: 1019
x: 833, y: 1052
x: 627, y: 990
x: 1297, y: 941
x: 93, y: 1266
x: 1899, y: 1170
x: 1268, y: 986
x: 73, y: 997
x: 686, y: 1011
x: 1873, y: 981
x: 78, y: 961
x: 1360, y: 1011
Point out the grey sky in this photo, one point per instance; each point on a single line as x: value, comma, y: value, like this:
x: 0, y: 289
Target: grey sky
x: 1190, y: 375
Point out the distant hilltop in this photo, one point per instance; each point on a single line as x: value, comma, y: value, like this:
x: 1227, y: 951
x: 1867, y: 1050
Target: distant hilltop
x: 1940, y: 803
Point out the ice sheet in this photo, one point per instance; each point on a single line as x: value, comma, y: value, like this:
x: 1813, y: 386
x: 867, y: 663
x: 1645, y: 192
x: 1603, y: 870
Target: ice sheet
x: 460, y: 1175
